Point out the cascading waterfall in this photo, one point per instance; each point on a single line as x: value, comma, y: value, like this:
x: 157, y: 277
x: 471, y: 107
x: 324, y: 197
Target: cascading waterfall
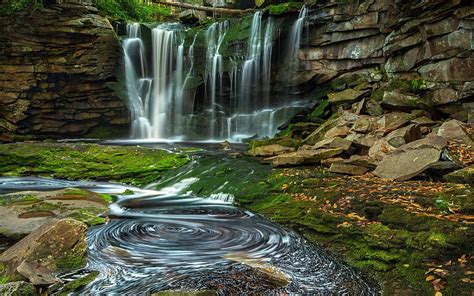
x: 295, y: 39
x: 236, y: 103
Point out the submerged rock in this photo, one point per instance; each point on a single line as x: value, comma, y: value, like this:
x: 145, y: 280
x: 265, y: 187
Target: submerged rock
x: 56, y: 247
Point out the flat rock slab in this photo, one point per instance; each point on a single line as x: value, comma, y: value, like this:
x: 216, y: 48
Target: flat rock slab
x: 404, y: 165
x: 303, y: 157
x: 463, y: 176
x: 270, y: 150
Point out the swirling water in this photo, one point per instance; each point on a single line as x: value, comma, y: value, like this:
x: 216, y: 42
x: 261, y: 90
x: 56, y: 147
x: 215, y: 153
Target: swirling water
x: 168, y: 239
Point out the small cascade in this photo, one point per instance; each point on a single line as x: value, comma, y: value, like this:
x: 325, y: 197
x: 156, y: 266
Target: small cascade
x: 295, y: 39
x: 214, y: 37
x: 138, y: 85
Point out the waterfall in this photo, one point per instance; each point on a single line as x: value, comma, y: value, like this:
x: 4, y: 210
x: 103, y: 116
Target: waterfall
x: 214, y: 37
x: 295, y: 40
x: 234, y: 101
x: 138, y: 85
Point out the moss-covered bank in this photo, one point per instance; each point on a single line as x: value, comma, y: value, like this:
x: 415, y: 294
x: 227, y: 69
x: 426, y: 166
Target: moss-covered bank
x: 132, y: 165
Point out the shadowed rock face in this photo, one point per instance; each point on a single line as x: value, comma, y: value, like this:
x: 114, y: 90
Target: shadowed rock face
x: 55, y: 69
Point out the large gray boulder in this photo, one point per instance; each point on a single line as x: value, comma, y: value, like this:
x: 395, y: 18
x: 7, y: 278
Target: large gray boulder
x: 404, y: 165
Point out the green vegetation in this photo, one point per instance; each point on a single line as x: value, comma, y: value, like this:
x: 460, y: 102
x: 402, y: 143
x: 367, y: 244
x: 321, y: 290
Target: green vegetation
x: 18, y: 200
x: 134, y: 10
x: 70, y: 261
x: 131, y: 165
x: 88, y: 216
x: 282, y: 8
x: 78, y: 283
x: 12, y: 6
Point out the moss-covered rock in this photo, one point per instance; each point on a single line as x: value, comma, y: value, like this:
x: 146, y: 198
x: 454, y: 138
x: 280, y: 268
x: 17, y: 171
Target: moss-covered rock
x: 132, y: 165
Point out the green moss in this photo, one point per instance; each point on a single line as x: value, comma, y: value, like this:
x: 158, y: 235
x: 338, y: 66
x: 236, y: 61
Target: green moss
x: 4, y: 279
x: 133, y: 165
x: 134, y: 10
x: 107, y: 197
x: 76, y: 191
x: 88, y: 216
x: 18, y: 200
x: 128, y: 192
x: 320, y: 110
x: 282, y: 8
x: 78, y: 283
x: 70, y: 261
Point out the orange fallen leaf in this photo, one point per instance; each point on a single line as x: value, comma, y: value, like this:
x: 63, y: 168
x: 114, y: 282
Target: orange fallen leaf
x: 438, y: 293
x: 429, y: 278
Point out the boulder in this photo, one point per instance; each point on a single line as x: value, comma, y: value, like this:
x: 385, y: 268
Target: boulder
x: 348, y: 169
x: 20, y: 288
x: 303, y: 157
x: 346, y: 96
x: 362, y: 140
x: 373, y: 108
x: 404, y: 135
x: 392, y: 121
x: 262, y: 268
x: 56, y: 247
x: 328, y: 162
x: 270, y: 150
x: 394, y: 99
x: 463, y: 176
x: 363, y: 124
x: 23, y: 212
x: 423, y: 121
x: 337, y: 131
x: 380, y: 149
x: 362, y: 160
x: 191, y: 16
x: 456, y: 131
x: 335, y: 142
x: 403, y: 165
x: 430, y: 141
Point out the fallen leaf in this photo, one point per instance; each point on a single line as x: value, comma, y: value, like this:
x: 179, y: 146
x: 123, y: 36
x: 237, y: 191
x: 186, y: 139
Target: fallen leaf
x: 429, y: 278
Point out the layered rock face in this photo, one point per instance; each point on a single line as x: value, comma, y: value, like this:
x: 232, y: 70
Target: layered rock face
x: 425, y: 40
x: 55, y: 69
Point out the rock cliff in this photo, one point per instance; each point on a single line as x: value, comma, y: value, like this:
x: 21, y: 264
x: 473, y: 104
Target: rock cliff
x: 56, y: 65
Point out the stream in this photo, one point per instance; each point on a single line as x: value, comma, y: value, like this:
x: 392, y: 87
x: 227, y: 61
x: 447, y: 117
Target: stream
x: 173, y: 236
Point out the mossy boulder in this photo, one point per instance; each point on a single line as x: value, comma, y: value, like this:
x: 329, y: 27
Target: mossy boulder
x: 465, y: 175
x: 56, y: 247
x: 132, y: 165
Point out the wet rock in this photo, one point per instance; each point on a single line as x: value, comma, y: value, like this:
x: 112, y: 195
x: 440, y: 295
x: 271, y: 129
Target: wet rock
x: 22, y: 213
x: 403, y: 165
x: 463, y: 176
x: 224, y: 145
x: 191, y: 16
x: 268, y: 271
x: 454, y: 130
x: 56, y: 247
x: 234, y: 155
x: 270, y: 150
x: 404, y: 135
x: 346, y: 96
x: 348, y: 169
x: 303, y: 157
x: 20, y: 288
x: 335, y: 142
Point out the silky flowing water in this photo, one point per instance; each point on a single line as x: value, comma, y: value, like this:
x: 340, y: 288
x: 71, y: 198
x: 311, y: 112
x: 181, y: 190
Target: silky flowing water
x: 170, y: 238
